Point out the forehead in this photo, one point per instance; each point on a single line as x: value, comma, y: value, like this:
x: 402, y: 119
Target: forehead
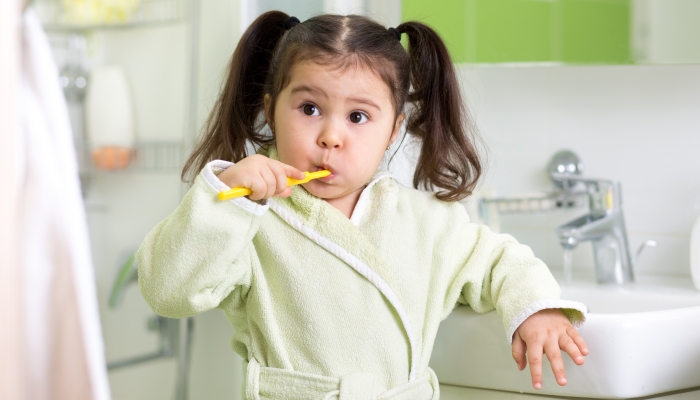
x: 339, y: 81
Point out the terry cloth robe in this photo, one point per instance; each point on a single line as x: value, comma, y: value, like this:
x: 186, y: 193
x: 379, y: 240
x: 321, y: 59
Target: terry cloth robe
x: 327, y: 307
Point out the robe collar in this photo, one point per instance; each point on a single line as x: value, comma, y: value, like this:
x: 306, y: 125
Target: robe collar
x: 364, y: 233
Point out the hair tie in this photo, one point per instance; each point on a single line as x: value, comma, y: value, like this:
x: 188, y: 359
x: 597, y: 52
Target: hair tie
x: 290, y: 22
x: 396, y: 33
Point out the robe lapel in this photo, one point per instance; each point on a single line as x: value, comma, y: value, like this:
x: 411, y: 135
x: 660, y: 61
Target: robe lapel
x: 331, y: 230
x: 330, y: 223
x: 365, y: 241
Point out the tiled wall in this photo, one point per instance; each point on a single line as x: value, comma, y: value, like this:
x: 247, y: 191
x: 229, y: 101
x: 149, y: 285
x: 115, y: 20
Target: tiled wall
x: 639, y: 125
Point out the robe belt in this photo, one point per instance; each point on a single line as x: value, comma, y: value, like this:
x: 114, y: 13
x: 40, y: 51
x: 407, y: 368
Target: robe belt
x: 265, y: 383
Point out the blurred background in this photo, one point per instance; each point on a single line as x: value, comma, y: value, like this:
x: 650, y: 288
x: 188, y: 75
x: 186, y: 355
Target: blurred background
x: 615, y: 81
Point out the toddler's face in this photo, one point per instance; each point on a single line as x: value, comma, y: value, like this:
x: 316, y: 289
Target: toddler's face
x: 341, y: 120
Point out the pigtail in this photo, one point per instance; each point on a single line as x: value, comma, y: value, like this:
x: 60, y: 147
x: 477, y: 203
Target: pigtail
x: 234, y: 119
x: 448, y: 157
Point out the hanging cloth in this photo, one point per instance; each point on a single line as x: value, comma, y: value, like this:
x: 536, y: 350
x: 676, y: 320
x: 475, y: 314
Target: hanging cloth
x: 62, y: 336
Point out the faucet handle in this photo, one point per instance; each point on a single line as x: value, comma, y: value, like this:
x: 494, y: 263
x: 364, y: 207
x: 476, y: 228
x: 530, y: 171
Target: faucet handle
x: 650, y: 243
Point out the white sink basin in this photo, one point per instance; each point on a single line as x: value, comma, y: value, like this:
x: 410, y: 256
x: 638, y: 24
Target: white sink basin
x: 643, y: 338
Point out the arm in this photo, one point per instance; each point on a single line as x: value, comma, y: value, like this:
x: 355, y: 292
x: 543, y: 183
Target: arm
x: 195, y: 257
x: 497, y: 272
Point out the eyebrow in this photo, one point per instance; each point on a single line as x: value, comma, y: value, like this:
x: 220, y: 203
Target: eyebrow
x: 310, y: 89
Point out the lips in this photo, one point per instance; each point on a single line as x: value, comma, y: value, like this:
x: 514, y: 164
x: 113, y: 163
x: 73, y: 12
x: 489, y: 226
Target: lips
x: 328, y: 178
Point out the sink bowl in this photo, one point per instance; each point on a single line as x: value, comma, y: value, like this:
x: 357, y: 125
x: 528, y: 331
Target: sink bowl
x: 644, y: 339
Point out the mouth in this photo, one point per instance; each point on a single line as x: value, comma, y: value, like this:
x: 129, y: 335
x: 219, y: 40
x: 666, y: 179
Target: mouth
x: 328, y: 178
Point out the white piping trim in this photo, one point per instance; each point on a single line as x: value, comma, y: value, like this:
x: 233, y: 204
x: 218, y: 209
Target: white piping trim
x: 364, y: 198
x: 361, y: 268
x: 210, y: 171
x: 543, y: 305
x: 209, y: 174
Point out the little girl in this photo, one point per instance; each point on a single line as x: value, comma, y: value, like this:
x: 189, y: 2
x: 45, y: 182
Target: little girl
x: 336, y: 288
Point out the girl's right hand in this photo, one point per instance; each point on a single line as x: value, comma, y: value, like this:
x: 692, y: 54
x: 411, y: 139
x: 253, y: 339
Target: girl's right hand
x: 264, y: 176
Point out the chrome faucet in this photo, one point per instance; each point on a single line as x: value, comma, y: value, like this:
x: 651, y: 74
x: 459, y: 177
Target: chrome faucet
x: 603, y: 226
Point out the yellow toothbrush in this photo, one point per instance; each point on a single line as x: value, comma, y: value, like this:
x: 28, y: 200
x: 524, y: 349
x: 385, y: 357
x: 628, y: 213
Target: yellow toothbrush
x: 243, y: 191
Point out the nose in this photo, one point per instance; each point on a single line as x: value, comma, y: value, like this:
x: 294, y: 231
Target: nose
x: 331, y: 136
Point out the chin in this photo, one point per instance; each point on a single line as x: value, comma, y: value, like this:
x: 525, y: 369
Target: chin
x: 320, y: 191
x: 324, y: 190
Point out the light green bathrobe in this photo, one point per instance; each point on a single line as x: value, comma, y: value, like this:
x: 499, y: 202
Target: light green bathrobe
x: 327, y: 307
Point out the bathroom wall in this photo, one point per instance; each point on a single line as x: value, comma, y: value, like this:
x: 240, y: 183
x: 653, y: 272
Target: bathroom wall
x: 639, y: 125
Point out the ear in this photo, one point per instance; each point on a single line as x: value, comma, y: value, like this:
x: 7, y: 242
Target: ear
x: 397, y: 128
x: 267, y: 101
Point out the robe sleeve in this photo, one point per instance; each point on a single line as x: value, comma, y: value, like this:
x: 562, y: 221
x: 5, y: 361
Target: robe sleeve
x: 202, y: 252
x: 497, y: 272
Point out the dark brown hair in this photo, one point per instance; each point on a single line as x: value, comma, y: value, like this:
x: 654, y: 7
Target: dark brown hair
x: 262, y: 62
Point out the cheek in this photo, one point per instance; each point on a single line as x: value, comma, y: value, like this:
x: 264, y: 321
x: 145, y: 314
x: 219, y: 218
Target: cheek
x: 293, y: 128
x: 294, y: 148
x: 368, y: 156
x: 289, y: 151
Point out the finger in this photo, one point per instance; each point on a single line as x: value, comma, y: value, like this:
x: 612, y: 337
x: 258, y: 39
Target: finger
x: 286, y: 193
x: 258, y: 187
x: 270, y: 181
x: 293, y: 172
x: 567, y: 344
x: 554, y: 356
x: 534, y: 357
x: 280, y: 179
x: 573, y: 333
x: 519, y: 347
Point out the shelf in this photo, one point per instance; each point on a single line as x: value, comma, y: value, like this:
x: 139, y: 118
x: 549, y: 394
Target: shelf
x: 75, y: 16
x: 146, y: 156
x: 530, y: 204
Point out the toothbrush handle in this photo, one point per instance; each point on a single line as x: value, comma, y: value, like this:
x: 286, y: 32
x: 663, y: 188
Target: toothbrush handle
x: 233, y: 193
x: 243, y: 191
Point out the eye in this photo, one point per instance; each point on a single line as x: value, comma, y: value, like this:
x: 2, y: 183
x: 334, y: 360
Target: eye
x: 309, y: 109
x: 358, y: 117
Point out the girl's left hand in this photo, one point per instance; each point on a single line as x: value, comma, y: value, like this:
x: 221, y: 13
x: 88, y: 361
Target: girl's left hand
x: 545, y: 332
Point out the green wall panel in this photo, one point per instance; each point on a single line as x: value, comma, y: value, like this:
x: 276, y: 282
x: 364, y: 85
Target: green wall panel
x: 513, y: 31
x: 498, y: 31
x: 446, y: 17
x: 596, y: 31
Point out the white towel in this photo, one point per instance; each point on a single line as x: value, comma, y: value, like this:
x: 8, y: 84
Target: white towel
x: 64, y: 348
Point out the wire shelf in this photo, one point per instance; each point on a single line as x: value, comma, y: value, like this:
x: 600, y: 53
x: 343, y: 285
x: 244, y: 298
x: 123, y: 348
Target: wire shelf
x: 146, y: 156
x: 530, y: 204
x: 81, y: 15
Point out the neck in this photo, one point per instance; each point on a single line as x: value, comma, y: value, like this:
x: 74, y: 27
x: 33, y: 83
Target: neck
x: 346, y: 204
